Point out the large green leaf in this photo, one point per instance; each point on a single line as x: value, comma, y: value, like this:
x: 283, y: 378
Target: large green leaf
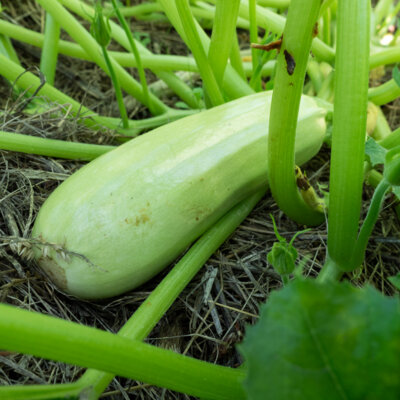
x: 330, y: 341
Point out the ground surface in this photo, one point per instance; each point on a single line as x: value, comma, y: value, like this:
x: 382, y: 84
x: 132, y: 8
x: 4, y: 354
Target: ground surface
x: 211, y: 315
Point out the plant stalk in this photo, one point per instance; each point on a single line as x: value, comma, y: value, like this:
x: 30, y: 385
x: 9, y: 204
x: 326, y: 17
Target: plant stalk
x: 44, y: 336
x: 51, y: 147
x: 89, y: 44
x: 49, y: 54
x: 212, y: 88
x: 288, y: 87
x: 384, y: 93
x: 136, y: 54
x: 349, y: 128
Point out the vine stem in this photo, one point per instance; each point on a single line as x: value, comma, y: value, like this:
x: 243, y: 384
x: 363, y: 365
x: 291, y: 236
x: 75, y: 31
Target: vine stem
x: 136, y: 54
x: 49, y: 54
x: 211, y: 85
x: 89, y: 44
x: 117, y: 88
x: 288, y: 87
x: 349, y: 128
x: 51, y: 147
x: 44, y: 336
x: 369, y: 223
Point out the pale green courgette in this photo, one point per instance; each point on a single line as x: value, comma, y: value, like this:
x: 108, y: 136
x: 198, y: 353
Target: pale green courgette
x: 125, y: 216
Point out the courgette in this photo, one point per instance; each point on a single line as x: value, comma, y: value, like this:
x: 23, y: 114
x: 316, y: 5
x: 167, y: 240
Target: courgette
x: 126, y: 215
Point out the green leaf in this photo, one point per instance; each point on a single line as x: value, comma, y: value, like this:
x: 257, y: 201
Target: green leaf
x: 324, y: 341
x: 392, y: 166
x: 396, y: 75
x: 181, y: 105
x: 375, y: 153
x: 396, y: 191
x: 282, y: 257
x: 395, y: 280
x: 142, y: 37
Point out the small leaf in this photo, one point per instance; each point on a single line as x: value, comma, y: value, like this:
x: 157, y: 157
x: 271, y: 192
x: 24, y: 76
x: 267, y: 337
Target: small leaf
x: 375, y: 153
x: 395, y: 281
x: 396, y: 75
x: 182, y: 105
x: 283, y: 258
x: 324, y: 341
x: 283, y: 255
x: 269, y: 85
x: 199, y: 93
x: 396, y: 191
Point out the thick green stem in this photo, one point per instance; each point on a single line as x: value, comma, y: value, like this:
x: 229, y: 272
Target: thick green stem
x: 159, y: 64
x: 369, y: 223
x: 89, y: 44
x: 175, y: 84
x: 52, y: 338
x: 385, y: 93
x: 384, y: 56
x: 236, y: 58
x: 282, y: 4
x: 212, y: 88
x: 289, y: 79
x: 30, y: 83
x: 223, y: 36
x: 330, y: 272
x: 204, y: 10
x: 49, y: 54
x: 325, y: 6
x: 117, y: 88
x: 382, y: 10
x: 315, y: 74
x: 256, y: 82
x: 7, y: 49
x: 51, y: 147
x: 44, y: 392
x: 233, y: 85
x: 349, y: 127
x: 275, y: 23
x: 152, y: 61
x: 136, y: 54
x: 140, y: 9
x: 326, y: 33
x: 154, y: 307
x: 382, y: 128
x: 326, y: 92
x: 391, y: 140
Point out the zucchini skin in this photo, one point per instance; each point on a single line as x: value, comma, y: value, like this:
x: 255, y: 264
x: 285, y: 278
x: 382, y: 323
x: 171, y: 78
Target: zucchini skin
x: 128, y: 214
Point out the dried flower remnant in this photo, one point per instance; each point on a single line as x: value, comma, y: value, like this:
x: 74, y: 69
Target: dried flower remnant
x: 290, y: 63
